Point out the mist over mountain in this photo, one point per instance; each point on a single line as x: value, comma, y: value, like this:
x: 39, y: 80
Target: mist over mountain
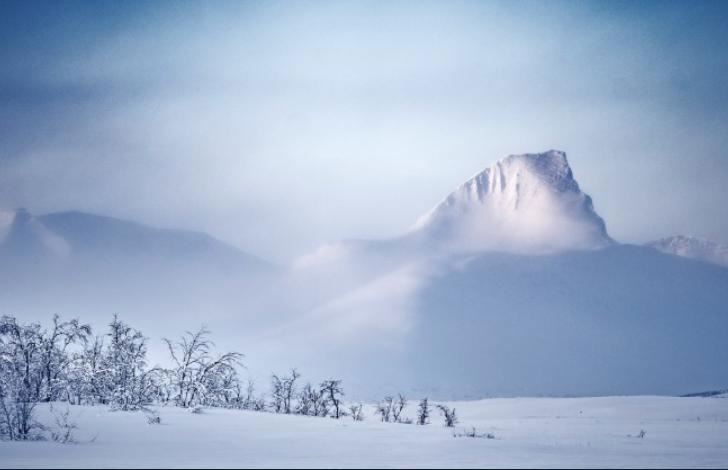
x: 91, y: 266
x: 510, y: 286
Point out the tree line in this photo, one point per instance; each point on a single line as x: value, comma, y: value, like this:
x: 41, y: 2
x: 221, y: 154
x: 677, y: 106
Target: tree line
x: 66, y: 362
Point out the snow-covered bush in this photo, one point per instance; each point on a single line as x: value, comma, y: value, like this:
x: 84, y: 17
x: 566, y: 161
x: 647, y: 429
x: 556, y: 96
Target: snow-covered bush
x: 390, y: 409
x: 423, y: 412
x: 473, y: 433
x: 198, y: 377
x: 124, y: 376
x: 312, y: 402
x: 64, y: 427
x: 283, y: 392
x: 21, y: 373
x: 356, y: 412
x: 449, y: 415
x: 154, y: 419
x: 384, y: 409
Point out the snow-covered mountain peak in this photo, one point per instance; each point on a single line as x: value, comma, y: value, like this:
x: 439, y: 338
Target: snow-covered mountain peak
x: 693, y: 248
x: 523, y: 203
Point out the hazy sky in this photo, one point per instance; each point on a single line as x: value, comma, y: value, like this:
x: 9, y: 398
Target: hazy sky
x: 277, y: 126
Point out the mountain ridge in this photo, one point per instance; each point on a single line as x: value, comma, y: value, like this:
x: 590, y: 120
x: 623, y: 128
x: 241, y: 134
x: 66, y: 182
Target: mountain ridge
x: 690, y: 247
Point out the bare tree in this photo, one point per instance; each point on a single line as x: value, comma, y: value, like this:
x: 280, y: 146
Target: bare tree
x: 189, y: 355
x: 284, y: 391
x: 398, y: 407
x: 331, y: 389
x: 198, y: 377
x: 449, y: 415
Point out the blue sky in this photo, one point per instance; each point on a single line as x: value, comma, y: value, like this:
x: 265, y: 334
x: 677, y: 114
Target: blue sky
x: 280, y: 125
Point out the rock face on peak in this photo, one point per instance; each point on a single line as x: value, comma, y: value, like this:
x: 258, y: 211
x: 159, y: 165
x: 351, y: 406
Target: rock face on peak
x: 693, y: 248
x: 527, y: 203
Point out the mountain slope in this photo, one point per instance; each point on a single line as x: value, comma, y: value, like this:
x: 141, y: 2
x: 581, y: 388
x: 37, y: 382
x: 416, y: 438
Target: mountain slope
x: 79, y: 264
x: 512, y: 286
x: 97, y: 236
x: 622, y: 320
x: 522, y: 204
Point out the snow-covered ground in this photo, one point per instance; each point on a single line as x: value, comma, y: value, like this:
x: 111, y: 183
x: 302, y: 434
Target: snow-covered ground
x: 539, y: 432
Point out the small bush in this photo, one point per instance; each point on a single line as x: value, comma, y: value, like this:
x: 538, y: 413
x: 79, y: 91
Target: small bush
x: 474, y: 434
x: 63, y: 431
x: 357, y: 412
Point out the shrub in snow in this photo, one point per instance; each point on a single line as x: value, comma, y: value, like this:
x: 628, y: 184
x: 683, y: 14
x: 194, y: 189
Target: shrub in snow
x: 64, y: 428
x: 449, y: 415
x: 17, y: 418
x: 384, y: 409
x: 473, y: 433
x: 423, y: 412
x: 196, y: 410
x: 199, y: 378
x: 153, y: 417
x: 124, y: 364
x: 357, y: 412
x: 283, y: 391
x: 398, y: 407
x: 21, y: 373
x: 312, y: 402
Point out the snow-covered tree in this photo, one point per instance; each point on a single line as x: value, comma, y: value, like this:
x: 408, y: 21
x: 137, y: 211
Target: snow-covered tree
x: 384, y: 409
x: 198, y: 377
x: 55, y: 357
x: 283, y: 391
x: 20, y: 373
x: 311, y: 402
x: 332, y: 392
x: 123, y: 367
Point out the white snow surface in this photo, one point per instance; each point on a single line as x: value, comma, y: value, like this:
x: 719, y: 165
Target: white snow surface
x: 529, y: 432
x: 693, y: 248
